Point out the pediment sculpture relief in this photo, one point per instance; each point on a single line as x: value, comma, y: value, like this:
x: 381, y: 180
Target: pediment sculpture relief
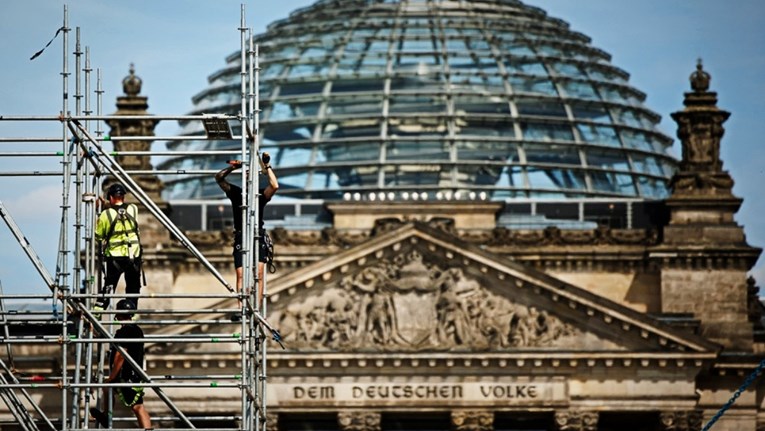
x: 410, y: 305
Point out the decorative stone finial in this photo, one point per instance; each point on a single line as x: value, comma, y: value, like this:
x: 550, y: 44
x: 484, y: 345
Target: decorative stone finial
x: 700, y: 79
x: 131, y: 85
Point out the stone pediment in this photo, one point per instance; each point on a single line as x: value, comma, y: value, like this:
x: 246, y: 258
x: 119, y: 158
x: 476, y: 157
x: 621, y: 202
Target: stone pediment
x: 417, y: 289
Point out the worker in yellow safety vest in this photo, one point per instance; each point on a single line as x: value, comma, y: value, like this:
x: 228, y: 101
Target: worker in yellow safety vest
x: 117, y: 232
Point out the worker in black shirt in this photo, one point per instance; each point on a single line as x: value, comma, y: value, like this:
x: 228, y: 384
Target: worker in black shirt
x: 122, y: 371
x: 234, y: 193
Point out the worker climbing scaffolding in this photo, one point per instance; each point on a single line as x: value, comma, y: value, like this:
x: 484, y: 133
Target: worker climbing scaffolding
x: 117, y: 230
x: 234, y: 194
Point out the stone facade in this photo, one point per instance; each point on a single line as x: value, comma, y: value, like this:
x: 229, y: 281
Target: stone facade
x: 429, y: 312
x: 412, y: 308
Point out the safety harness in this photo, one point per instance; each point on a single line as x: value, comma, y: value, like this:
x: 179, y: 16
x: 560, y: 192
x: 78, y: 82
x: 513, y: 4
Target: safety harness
x: 122, y: 214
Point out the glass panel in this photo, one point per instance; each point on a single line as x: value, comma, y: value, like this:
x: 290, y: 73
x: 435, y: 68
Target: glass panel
x: 618, y: 95
x: 652, y: 187
x: 478, y: 44
x: 637, y: 140
x: 423, y: 45
x: 646, y: 164
x: 405, y: 60
x: 354, y: 86
x: 486, y: 105
x: 308, y: 69
x: 293, y: 156
x: 605, y: 75
x: 315, y: 51
x: 597, y: 134
x: 558, y: 154
x: 419, y: 150
x: 293, y: 181
x: 579, y: 89
x: 482, y: 175
x: 555, y: 178
x: 487, y: 150
x: 628, y: 117
x: 550, y: 50
x: 434, y: 82
x: 272, y: 70
x: 403, y: 175
x: 613, y: 183
x: 358, y: 151
x: 378, y: 46
x: 473, y: 64
x: 477, y: 127
x: 324, y: 180
x: 287, y: 111
x: 478, y: 82
x: 401, y: 103
x: 517, y: 48
x: 354, y: 106
x: 544, y: 108
x: 590, y: 112
x: 528, y: 66
x: 456, y: 45
x: 568, y: 69
x: 287, y: 132
x: 516, y: 176
x: 547, y: 132
x: 606, y: 159
x: 525, y: 84
x: 350, y: 129
x: 417, y: 126
x: 373, y: 63
x: 292, y: 89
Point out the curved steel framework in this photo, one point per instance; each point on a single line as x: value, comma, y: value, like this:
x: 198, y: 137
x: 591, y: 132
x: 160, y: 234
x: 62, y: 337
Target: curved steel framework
x: 429, y: 96
x: 82, y: 337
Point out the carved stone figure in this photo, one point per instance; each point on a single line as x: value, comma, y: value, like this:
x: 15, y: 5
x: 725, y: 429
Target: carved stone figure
x: 472, y: 420
x: 410, y: 304
x: 680, y: 420
x: 570, y: 420
x: 358, y: 421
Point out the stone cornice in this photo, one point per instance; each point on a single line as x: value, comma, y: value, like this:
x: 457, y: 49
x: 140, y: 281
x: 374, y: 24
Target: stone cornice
x: 434, y: 363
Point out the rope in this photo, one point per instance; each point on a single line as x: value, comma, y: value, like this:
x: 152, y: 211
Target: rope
x: 749, y: 380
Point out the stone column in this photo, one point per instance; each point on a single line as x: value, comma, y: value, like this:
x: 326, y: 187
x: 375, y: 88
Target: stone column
x: 272, y: 421
x: 472, y: 420
x: 682, y: 420
x: 358, y: 421
x: 573, y: 420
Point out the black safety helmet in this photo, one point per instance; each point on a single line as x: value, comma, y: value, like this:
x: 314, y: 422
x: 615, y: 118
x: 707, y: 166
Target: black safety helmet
x: 116, y: 189
x: 126, y: 305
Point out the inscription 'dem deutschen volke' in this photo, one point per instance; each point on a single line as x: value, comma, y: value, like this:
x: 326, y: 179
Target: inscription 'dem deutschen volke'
x: 521, y: 392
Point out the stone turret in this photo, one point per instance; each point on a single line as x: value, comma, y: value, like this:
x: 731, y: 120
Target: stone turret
x: 704, y: 256
x: 133, y: 104
x: 152, y: 233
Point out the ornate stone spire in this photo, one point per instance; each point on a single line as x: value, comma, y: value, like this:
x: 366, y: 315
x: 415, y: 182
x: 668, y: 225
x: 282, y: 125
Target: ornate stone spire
x: 131, y: 85
x: 700, y: 131
x: 133, y: 104
x: 700, y: 79
x: 702, y: 236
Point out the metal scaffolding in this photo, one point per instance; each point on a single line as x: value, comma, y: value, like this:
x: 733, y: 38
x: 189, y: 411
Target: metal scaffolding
x: 82, y: 336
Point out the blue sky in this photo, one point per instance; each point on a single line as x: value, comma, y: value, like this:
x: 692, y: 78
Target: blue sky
x: 176, y: 44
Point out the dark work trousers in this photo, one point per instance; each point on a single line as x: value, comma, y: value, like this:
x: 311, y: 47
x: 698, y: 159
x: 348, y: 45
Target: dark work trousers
x: 115, y: 267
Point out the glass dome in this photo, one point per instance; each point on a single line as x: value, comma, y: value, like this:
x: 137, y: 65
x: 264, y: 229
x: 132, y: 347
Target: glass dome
x: 363, y: 98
